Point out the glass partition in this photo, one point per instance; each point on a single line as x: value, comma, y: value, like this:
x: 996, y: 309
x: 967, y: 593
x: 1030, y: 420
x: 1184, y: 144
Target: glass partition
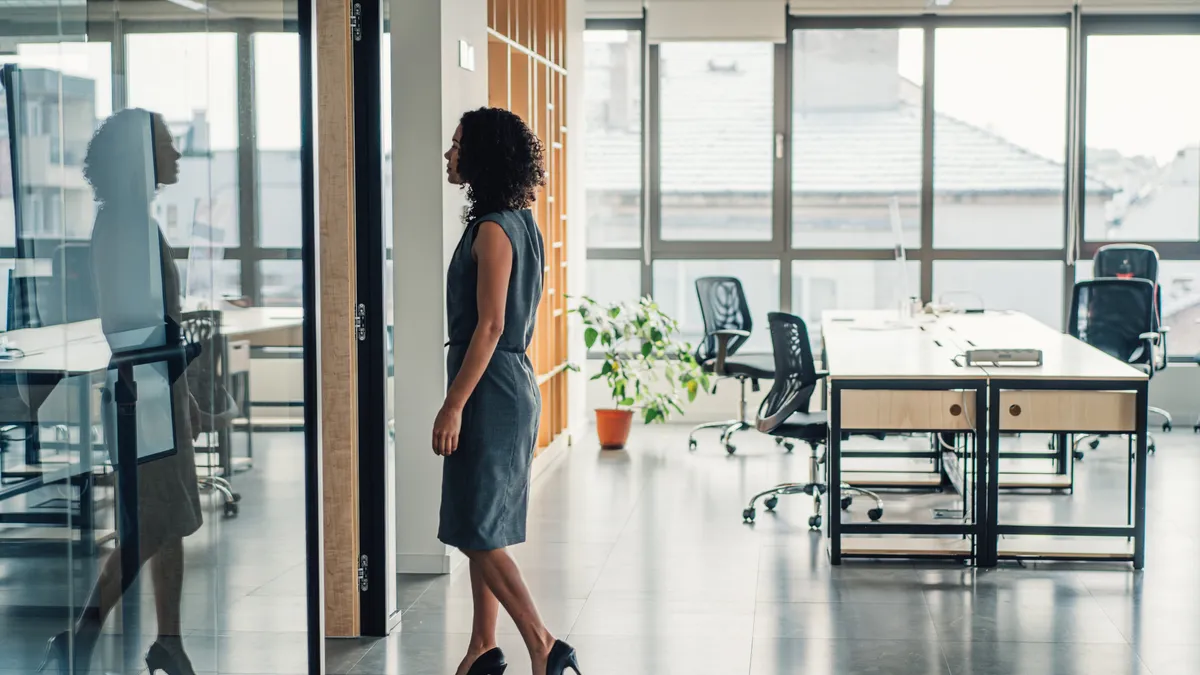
x: 152, y: 465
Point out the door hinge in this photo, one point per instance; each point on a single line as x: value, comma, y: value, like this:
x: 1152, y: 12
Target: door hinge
x: 362, y: 573
x: 360, y: 322
x: 356, y: 22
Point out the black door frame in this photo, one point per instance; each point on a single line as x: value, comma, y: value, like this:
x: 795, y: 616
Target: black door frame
x: 366, y: 31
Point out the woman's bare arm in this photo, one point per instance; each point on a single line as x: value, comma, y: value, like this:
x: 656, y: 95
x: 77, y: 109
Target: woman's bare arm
x: 492, y: 251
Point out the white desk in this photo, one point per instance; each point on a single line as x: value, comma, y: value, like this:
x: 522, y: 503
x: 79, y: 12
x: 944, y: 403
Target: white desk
x: 907, y: 379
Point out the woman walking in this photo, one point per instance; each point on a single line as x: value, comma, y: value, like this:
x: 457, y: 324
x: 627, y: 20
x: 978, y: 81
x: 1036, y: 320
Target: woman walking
x: 487, y: 427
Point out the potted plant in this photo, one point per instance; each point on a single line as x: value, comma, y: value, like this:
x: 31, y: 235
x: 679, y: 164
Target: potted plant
x: 646, y: 368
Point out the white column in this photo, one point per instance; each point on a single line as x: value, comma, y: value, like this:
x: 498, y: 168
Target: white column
x: 430, y: 91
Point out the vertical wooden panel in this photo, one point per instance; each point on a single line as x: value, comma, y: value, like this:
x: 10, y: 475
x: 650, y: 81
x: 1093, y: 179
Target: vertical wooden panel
x: 527, y: 77
x: 338, y: 379
x: 498, y: 75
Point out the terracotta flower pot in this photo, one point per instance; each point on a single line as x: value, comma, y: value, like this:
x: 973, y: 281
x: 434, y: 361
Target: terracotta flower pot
x: 612, y: 426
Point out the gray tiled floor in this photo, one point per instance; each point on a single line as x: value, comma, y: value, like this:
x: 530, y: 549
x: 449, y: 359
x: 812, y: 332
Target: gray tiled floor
x: 640, y: 559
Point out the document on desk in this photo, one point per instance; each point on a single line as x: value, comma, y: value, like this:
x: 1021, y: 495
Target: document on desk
x: 155, y: 414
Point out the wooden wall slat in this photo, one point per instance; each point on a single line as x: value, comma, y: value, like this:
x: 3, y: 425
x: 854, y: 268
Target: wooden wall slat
x: 339, y: 371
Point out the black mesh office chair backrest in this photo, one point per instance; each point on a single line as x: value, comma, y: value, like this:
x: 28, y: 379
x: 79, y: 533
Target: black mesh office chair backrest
x: 1112, y: 314
x: 1130, y: 261
x: 795, y: 370
x: 1126, y: 261
x: 723, y: 307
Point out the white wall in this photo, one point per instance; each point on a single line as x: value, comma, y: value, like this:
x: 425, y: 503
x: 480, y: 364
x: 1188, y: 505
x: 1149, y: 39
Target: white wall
x: 430, y: 93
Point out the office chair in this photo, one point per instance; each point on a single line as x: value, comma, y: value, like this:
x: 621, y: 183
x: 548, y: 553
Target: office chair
x: 1116, y: 316
x: 727, y: 326
x: 1137, y: 261
x: 208, y: 383
x: 784, y: 414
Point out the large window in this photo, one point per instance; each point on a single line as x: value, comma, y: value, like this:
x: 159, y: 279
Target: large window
x: 613, y: 68
x: 959, y: 131
x: 1143, y: 138
x: 716, y: 141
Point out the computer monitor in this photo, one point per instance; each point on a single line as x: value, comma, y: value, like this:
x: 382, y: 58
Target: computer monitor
x: 901, y: 257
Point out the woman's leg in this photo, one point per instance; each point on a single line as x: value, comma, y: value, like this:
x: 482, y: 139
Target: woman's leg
x: 503, y: 579
x: 166, y: 573
x: 483, y: 624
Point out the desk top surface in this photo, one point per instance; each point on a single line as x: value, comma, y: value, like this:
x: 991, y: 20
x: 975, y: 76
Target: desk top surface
x: 80, y: 347
x: 877, y: 345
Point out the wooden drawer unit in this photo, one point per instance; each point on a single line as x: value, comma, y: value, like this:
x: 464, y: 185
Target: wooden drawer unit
x: 1090, y: 411
x: 899, y: 410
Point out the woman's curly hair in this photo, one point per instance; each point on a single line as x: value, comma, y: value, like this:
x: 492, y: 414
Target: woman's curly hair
x: 500, y: 160
x: 108, y: 164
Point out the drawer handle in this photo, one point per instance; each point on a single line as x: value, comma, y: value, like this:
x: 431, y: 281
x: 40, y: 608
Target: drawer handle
x: 956, y: 410
x: 1014, y: 410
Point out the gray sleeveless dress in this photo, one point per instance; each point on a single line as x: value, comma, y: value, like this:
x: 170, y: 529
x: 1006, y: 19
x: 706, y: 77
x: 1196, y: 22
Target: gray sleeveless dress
x: 485, y: 483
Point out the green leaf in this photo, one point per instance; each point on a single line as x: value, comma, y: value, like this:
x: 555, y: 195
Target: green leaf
x: 693, y: 388
x: 647, y: 349
x: 656, y: 335
x: 614, y: 312
x: 597, y: 376
x: 589, y: 337
x: 607, y: 368
x: 626, y: 402
x: 652, y: 414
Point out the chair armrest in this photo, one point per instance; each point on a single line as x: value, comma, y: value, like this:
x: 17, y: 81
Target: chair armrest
x: 723, y: 338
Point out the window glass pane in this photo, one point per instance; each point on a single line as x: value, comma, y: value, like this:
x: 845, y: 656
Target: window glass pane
x: 822, y: 285
x: 204, y: 280
x: 612, y: 62
x: 67, y: 90
x: 277, y: 139
x: 1034, y: 287
x: 614, y: 280
x: 856, y: 139
x: 282, y: 283
x: 1143, y: 139
x: 1180, y: 280
x: 1000, y: 135
x: 191, y: 80
x: 675, y: 292
x: 717, y: 111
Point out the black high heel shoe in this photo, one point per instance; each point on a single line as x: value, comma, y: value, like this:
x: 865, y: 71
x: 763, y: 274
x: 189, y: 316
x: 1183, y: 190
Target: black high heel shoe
x: 490, y: 662
x: 562, y: 656
x: 58, y: 649
x: 159, y: 659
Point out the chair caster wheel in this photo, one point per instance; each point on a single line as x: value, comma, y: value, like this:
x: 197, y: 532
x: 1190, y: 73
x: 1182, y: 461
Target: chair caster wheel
x: 748, y: 515
x: 1166, y: 427
x: 692, y: 444
x: 237, y: 497
x: 814, y: 523
x: 789, y: 447
x: 779, y: 440
x: 847, y: 502
x: 1152, y: 448
x: 1079, y: 455
x: 1094, y: 444
x: 771, y: 503
x: 875, y: 514
x: 730, y: 448
x: 231, y: 509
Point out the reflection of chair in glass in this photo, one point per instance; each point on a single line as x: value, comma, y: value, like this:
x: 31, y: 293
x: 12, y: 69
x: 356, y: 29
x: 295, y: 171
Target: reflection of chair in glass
x: 1137, y: 261
x: 784, y: 414
x: 208, y: 382
x: 727, y: 326
x: 1116, y: 316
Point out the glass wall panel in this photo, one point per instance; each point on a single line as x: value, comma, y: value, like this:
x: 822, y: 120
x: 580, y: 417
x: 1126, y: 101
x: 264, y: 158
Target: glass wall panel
x: 1000, y: 138
x: 1034, y: 287
x: 613, y: 70
x: 717, y: 140
x: 675, y: 292
x: 1143, y: 138
x: 153, y: 514
x: 856, y: 136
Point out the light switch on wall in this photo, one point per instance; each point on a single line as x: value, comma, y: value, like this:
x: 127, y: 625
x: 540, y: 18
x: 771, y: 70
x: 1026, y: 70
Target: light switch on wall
x: 466, y: 56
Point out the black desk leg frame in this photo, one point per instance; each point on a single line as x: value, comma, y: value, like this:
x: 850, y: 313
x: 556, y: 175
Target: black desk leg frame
x: 990, y: 549
x: 975, y: 476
